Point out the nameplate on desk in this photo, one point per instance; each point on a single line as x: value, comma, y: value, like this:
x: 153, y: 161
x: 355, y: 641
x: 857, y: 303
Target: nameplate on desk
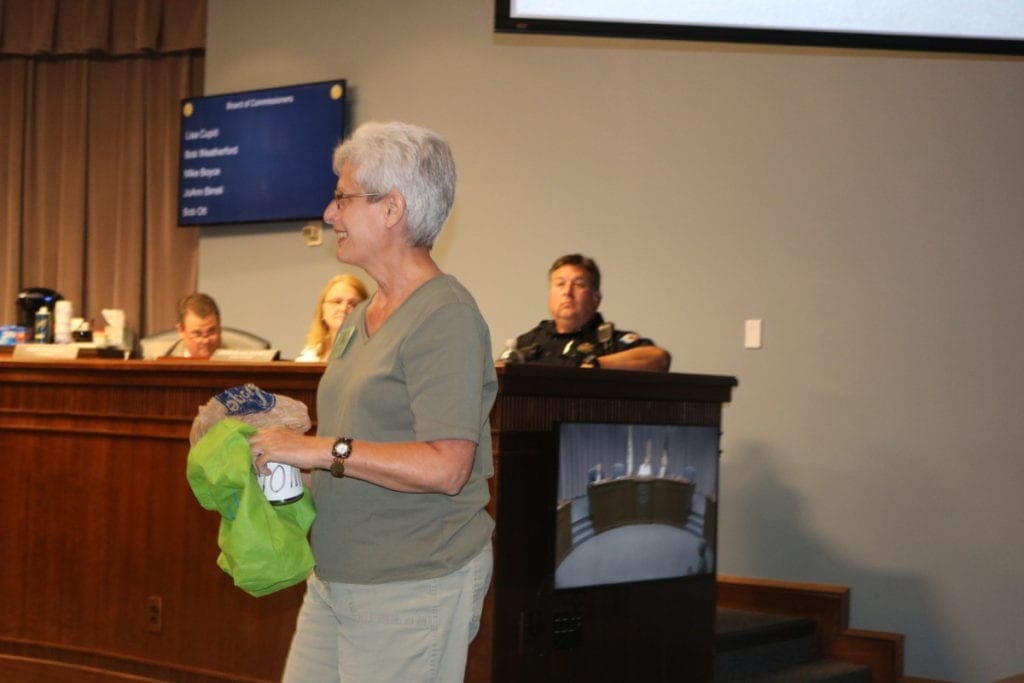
x: 245, y: 355
x: 51, y: 351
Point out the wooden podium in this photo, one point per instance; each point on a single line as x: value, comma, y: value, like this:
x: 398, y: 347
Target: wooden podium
x: 651, y: 631
x: 110, y: 569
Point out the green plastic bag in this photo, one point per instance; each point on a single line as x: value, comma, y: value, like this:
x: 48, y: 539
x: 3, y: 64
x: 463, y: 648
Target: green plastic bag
x: 264, y: 547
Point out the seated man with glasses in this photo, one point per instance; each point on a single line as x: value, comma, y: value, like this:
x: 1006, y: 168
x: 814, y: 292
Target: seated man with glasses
x: 198, y: 326
x: 198, y: 334
x: 577, y: 335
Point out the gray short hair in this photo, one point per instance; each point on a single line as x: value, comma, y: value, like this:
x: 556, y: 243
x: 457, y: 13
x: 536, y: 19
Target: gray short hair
x: 415, y: 161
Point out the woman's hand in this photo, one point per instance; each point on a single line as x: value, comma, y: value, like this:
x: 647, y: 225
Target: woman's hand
x: 288, y: 447
x: 440, y: 466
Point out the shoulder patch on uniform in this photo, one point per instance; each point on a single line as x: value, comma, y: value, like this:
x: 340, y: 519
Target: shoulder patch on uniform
x: 629, y: 338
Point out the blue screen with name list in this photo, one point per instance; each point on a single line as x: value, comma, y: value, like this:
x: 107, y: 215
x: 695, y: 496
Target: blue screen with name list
x: 260, y: 155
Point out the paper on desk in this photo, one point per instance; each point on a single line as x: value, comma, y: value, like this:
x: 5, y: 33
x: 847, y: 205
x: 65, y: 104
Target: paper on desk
x: 114, y: 318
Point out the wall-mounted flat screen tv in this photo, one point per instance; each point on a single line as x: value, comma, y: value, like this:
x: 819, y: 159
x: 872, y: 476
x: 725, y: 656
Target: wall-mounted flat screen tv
x: 259, y: 155
x: 985, y: 26
x: 634, y: 503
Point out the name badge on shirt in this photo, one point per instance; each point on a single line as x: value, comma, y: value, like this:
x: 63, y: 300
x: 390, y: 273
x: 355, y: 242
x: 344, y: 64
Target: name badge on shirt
x: 342, y: 341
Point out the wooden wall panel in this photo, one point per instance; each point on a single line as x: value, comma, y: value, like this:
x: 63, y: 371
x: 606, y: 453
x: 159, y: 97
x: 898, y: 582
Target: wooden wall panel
x: 99, y: 519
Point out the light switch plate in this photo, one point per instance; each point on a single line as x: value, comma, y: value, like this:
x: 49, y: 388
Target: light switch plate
x: 752, y: 334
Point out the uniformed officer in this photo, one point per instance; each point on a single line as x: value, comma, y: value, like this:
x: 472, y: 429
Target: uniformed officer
x: 577, y: 335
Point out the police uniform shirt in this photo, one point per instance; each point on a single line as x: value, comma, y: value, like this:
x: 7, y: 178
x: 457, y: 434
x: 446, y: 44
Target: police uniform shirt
x: 544, y: 345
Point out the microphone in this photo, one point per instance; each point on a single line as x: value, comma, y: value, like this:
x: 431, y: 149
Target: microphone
x: 605, y: 336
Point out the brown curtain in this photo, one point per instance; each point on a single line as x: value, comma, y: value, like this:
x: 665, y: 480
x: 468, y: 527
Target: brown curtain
x: 90, y: 94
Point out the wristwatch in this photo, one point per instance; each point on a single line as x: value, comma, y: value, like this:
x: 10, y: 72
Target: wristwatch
x: 341, y: 449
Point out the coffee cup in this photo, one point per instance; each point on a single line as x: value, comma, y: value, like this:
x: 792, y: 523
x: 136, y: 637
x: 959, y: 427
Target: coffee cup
x: 283, y: 485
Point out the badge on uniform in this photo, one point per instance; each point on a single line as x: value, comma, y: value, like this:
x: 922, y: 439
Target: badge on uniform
x: 342, y: 341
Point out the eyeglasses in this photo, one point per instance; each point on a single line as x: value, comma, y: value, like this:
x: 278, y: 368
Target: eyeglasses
x: 203, y: 334
x: 339, y: 196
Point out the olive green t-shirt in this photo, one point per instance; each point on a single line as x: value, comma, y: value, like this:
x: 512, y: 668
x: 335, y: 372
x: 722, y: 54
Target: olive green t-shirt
x: 426, y: 374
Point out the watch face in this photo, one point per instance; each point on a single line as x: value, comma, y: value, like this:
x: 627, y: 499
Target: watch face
x: 341, y: 449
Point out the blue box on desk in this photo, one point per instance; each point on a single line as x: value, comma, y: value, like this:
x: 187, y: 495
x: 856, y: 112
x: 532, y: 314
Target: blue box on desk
x: 13, y: 334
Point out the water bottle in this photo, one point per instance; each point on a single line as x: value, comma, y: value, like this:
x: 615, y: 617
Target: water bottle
x: 44, y: 328
x: 511, y: 354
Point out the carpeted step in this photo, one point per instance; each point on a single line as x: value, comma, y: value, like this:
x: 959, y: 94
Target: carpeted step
x: 772, y: 648
x: 818, y: 671
x: 738, y: 629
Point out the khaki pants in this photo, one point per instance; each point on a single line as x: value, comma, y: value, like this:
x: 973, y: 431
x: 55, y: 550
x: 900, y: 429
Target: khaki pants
x: 403, y: 631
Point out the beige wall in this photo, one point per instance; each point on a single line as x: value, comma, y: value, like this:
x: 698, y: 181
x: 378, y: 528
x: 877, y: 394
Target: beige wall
x: 866, y: 205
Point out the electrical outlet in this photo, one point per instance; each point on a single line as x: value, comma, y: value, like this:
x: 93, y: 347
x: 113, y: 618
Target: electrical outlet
x: 154, y: 614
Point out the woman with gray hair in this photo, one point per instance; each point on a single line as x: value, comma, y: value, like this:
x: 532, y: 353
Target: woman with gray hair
x: 403, y: 452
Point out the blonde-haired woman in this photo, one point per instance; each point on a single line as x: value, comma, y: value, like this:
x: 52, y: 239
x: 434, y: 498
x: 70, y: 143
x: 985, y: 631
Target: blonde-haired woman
x: 339, y: 296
